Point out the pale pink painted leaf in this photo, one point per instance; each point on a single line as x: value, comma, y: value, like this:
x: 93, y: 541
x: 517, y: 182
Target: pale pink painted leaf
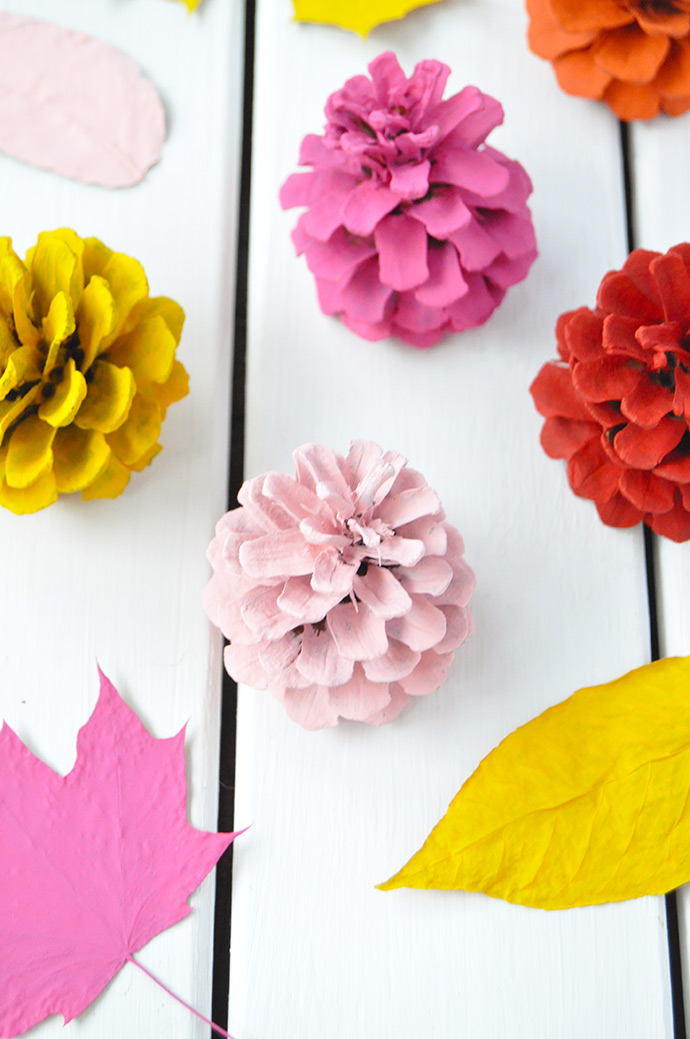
x: 93, y: 864
x: 74, y: 105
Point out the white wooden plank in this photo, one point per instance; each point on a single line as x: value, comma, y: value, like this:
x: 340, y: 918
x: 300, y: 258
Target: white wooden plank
x: 560, y: 599
x: 121, y: 581
x: 660, y: 152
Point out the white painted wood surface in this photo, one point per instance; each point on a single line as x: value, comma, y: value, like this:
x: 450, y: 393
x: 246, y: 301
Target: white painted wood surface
x: 560, y: 600
x: 121, y: 581
x: 317, y: 952
x: 661, y: 152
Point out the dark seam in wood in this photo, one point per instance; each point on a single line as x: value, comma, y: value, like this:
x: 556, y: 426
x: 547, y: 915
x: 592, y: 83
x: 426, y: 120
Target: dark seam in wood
x: 672, y: 928
x: 228, y: 724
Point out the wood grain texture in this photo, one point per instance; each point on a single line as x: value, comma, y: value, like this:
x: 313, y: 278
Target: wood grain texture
x: 121, y: 581
x: 660, y: 154
x: 560, y: 599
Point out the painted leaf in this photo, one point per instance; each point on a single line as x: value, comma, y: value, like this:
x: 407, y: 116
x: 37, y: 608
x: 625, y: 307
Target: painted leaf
x: 75, y: 105
x: 93, y: 864
x: 360, y: 15
x: 588, y: 803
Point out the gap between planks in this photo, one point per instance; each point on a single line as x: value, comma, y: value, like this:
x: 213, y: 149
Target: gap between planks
x: 228, y: 724
x: 650, y: 552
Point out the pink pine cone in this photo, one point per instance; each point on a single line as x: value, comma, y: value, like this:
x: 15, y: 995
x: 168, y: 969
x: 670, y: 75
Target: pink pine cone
x: 414, y: 227
x: 342, y: 590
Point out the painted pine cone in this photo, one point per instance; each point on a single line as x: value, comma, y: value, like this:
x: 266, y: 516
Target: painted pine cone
x: 617, y: 404
x: 342, y: 590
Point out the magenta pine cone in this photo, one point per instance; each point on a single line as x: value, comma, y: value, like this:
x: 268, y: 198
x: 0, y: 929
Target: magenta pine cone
x: 342, y: 590
x: 414, y: 227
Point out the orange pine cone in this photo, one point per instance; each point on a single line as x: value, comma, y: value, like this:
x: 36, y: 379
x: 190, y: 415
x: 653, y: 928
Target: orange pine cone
x: 632, y: 54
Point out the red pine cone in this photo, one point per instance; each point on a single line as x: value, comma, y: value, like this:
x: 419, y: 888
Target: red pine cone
x: 617, y: 404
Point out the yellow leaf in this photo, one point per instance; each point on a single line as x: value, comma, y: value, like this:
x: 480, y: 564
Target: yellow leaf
x: 588, y: 803
x: 360, y: 15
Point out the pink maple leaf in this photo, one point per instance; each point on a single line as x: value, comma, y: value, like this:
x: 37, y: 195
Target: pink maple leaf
x: 94, y: 864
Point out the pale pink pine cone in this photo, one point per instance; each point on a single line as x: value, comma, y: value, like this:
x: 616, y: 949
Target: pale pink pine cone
x: 342, y: 590
x: 414, y: 227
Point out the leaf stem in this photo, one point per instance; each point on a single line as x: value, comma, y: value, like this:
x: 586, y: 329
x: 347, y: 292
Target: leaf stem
x: 206, y: 1020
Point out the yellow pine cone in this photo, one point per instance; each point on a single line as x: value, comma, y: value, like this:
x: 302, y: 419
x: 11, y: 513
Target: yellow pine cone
x: 87, y: 370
